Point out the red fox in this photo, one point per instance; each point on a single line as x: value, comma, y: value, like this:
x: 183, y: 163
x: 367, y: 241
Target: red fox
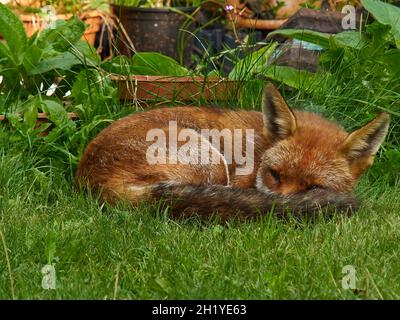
x: 294, y: 160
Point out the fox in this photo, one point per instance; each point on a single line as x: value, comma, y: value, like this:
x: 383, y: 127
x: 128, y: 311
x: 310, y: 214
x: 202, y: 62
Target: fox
x: 302, y: 163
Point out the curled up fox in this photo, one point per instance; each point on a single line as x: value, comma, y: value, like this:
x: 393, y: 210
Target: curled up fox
x: 209, y: 161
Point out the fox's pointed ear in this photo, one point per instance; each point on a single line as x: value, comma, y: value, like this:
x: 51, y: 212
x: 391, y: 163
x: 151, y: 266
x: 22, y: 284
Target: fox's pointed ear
x: 279, y: 120
x: 361, y: 145
x: 365, y: 142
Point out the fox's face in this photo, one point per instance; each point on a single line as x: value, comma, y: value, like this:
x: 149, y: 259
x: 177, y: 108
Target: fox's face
x: 307, y: 151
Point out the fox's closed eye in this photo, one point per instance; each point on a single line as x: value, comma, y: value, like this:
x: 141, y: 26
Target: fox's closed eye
x: 275, y: 175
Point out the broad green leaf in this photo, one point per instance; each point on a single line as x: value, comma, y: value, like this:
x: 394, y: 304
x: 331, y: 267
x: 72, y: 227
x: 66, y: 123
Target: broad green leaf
x: 5, y: 53
x: 145, y: 63
x: 119, y: 65
x: 63, y: 61
x: 385, y: 13
x: 81, y: 89
x: 295, y: 78
x: 64, y: 35
x: 318, y: 38
x: 56, y: 113
x: 156, y: 64
x: 12, y: 29
x: 253, y: 63
x: 79, y: 54
x: 380, y: 34
x: 32, y: 57
x: 352, y: 39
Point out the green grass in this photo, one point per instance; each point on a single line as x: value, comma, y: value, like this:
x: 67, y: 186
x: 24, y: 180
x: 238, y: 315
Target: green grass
x: 123, y: 253
x: 101, y: 252
x: 104, y: 253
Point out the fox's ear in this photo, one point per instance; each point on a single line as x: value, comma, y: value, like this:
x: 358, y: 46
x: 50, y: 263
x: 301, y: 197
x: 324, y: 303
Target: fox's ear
x: 361, y: 145
x: 279, y: 120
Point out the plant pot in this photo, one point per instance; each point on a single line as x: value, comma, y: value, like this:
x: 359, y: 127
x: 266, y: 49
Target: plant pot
x: 317, y: 20
x: 174, y: 88
x: 34, y: 22
x: 300, y: 54
x: 155, y: 30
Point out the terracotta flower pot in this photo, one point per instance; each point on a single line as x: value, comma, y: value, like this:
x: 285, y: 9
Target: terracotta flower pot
x: 174, y: 88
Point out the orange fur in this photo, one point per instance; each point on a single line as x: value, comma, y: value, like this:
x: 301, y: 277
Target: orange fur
x: 294, y: 151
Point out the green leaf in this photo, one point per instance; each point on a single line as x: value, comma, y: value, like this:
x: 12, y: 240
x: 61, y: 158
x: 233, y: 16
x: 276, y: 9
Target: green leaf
x: 119, y: 65
x: 56, y: 113
x: 87, y: 84
x: 152, y: 63
x: 64, y: 35
x: 32, y: 57
x: 85, y: 52
x: 41, y: 61
x: 386, y: 14
x: 14, y: 119
x: 5, y: 53
x: 352, y: 39
x: 318, y: 38
x: 12, y: 29
x: 63, y: 61
x: 145, y: 63
x: 29, y: 111
x: 253, y: 63
x: 295, y: 78
x: 380, y: 34
x: 213, y: 73
x: 30, y: 114
x: 94, y: 91
x: 391, y: 58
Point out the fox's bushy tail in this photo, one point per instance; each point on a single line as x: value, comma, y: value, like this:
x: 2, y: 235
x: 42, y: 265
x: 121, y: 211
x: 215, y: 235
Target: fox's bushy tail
x: 207, y: 201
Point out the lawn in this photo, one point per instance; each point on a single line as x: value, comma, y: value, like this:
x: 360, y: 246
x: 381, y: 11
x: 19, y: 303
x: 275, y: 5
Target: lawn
x: 122, y: 253
x: 102, y: 252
